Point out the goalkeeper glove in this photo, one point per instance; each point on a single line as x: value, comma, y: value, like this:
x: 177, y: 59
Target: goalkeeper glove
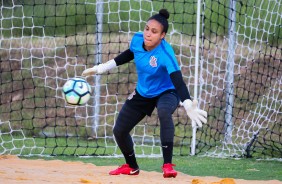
x: 99, y: 69
x: 195, y: 114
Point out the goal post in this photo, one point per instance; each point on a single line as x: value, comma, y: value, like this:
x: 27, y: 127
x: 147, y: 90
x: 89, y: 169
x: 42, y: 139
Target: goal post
x: 98, y: 60
x: 230, y: 72
x: 197, y: 48
x: 229, y: 53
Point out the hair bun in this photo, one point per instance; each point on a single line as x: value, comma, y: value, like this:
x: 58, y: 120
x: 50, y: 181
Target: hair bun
x: 164, y: 13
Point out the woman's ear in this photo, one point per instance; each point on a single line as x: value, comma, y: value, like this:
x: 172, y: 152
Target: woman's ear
x: 163, y: 35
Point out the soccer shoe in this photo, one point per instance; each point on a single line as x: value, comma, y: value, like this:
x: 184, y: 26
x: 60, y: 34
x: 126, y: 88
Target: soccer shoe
x: 168, y: 171
x: 124, y: 169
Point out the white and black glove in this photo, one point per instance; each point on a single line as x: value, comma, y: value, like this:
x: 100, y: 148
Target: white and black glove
x: 99, y: 69
x: 197, y: 115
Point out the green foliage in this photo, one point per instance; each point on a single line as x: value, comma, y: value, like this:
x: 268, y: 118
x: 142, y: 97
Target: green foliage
x: 254, y: 19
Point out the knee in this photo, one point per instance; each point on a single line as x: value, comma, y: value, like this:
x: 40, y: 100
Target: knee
x: 164, y: 112
x: 116, y: 131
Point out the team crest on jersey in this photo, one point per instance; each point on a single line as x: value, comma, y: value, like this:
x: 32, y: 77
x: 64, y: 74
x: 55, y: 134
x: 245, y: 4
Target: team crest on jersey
x: 153, y: 61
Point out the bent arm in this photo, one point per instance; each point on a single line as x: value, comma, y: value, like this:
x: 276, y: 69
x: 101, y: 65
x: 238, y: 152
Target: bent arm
x: 197, y: 115
x: 181, y: 88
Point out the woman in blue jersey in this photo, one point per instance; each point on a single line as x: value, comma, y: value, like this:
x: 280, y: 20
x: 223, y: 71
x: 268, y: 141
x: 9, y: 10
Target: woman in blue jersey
x: 160, y: 85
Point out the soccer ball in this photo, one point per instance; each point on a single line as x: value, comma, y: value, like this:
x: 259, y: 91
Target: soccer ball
x: 76, y: 91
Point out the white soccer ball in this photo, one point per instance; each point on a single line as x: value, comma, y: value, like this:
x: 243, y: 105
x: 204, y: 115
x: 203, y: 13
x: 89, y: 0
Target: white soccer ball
x: 77, y: 91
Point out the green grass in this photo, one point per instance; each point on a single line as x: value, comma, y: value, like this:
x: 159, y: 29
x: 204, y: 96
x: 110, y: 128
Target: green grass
x: 248, y: 169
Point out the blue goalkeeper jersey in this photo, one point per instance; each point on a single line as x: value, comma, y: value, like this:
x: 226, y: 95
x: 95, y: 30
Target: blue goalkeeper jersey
x: 153, y: 67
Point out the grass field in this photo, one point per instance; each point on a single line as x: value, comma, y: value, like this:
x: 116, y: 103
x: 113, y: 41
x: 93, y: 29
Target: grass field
x: 248, y: 169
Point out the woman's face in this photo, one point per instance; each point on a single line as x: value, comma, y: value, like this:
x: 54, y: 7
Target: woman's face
x: 153, y: 34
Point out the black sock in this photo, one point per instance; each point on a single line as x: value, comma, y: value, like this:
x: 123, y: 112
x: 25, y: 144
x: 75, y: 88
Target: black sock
x: 167, y: 149
x: 131, y: 160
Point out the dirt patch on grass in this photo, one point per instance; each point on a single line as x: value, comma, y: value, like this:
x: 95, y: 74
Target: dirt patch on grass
x: 23, y: 171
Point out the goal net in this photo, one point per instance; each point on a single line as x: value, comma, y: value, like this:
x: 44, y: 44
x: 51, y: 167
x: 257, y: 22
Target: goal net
x: 46, y: 42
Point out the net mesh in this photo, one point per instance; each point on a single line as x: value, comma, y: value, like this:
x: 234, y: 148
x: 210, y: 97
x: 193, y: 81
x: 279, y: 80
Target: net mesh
x: 45, y: 42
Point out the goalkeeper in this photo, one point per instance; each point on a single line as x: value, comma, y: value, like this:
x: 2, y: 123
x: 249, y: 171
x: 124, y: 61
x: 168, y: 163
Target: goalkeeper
x: 160, y: 84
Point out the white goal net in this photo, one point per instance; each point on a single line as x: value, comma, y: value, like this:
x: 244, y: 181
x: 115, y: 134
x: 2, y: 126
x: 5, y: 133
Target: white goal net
x: 44, y: 43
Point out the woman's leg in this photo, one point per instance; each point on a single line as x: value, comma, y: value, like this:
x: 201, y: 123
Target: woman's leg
x: 166, y: 105
x: 126, y: 121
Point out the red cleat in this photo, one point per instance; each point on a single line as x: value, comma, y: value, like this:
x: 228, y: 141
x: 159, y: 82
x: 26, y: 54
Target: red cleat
x: 124, y: 169
x: 168, y: 171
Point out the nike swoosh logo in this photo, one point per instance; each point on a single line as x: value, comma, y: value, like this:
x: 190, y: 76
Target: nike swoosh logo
x: 134, y: 172
x: 131, y: 155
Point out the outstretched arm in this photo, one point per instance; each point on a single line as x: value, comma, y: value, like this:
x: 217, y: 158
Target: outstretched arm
x: 195, y: 114
x: 124, y: 57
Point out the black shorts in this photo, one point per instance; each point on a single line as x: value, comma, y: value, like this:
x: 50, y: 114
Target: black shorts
x: 146, y: 105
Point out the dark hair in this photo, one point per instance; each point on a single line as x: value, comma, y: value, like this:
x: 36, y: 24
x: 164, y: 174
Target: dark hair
x: 161, y: 17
